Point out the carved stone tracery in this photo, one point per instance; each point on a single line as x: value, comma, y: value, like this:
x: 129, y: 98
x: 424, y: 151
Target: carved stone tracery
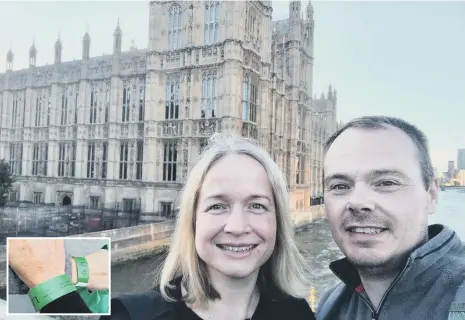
x: 170, y: 128
x: 207, y: 127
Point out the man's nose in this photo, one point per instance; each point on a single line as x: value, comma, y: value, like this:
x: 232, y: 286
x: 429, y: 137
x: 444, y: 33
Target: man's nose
x: 360, y: 200
x: 237, y: 221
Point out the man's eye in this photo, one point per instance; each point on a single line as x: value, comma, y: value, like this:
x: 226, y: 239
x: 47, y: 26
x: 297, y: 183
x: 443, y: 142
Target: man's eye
x: 387, y: 183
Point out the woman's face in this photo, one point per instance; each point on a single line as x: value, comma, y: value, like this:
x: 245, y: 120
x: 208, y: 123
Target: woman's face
x: 236, y: 217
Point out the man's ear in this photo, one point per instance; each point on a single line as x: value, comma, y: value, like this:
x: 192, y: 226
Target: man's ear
x: 433, y: 193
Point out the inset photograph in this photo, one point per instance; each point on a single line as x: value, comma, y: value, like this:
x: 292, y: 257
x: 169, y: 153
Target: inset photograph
x: 58, y: 276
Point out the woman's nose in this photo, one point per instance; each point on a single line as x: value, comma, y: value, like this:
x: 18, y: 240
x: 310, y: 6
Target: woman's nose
x: 237, y: 221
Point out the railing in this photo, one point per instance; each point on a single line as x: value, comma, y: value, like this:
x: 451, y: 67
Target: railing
x: 41, y: 221
x: 443, y: 188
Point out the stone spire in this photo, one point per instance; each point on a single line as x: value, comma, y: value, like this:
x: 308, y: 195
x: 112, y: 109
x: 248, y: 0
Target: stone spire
x: 309, y: 11
x: 58, y: 50
x: 86, y: 47
x: 117, y: 39
x: 9, y: 60
x: 32, y: 55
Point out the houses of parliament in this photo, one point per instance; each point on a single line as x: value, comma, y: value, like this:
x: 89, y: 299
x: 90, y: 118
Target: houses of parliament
x: 126, y: 128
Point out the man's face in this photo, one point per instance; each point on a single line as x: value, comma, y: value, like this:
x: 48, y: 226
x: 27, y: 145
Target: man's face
x: 376, y: 202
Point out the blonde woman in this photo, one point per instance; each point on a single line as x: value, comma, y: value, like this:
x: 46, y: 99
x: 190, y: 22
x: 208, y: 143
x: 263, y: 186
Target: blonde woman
x: 233, y: 255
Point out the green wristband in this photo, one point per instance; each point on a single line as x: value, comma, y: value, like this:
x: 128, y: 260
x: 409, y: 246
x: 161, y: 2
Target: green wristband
x: 82, y: 271
x: 50, y: 290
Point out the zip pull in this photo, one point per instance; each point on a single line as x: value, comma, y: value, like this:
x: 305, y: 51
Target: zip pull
x: 374, y: 316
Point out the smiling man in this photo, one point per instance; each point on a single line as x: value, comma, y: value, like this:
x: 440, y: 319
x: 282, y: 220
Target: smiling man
x: 379, y: 191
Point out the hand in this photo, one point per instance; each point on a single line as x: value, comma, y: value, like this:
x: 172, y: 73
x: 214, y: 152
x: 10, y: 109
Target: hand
x: 98, y: 270
x: 36, y: 260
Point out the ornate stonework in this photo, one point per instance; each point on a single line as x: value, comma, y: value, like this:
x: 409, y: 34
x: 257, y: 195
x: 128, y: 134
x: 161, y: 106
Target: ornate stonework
x: 131, y: 124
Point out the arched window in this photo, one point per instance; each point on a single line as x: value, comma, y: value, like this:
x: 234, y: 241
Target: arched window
x: 245, y: 97
x: 174, y: 27
x: 209, y: 95
x: 212, y: 21
x: 64, y: 107
x: 93, y: 104
x: 141, y: 99
x: 249, y: 98
x: 38, y: 110
x: 14, y: 113
x: 126, y: 101
x: 172, y: 98
x: 107, y: 101
x: 299, y: 123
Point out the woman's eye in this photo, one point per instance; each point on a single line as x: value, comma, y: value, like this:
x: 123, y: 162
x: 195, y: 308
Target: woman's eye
x: 338, y: 187
x: 258, y: 206
x: 216, y: 207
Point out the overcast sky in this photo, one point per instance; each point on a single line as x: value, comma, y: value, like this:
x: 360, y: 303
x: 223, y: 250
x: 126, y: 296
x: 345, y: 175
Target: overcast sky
x: 404, y: 59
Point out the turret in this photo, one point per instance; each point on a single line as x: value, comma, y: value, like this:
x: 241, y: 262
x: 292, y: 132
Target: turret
x: 309, y: 11
x: 133, y: 45
x: 9, y: 60
x: 86, y: 47
x: 274, y: 39
x: 294, y: 20
x: 117, y: 38
x: 32, y: 55
x: 330, y: 92
x: 58, y: 50
x: 308, y: 29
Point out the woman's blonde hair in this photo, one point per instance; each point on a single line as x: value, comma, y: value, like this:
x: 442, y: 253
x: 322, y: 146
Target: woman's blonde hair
x: 286, y: 269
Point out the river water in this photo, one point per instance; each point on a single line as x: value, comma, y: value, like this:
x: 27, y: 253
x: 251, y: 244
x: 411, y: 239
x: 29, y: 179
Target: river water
x: 316, y: 243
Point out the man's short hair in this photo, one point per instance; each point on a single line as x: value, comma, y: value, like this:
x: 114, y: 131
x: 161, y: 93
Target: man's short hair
x: 382, y: 122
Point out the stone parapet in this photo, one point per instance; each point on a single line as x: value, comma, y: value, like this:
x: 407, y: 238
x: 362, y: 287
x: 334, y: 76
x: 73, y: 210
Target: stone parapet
x: 302, y: 218
x: 138, y: 241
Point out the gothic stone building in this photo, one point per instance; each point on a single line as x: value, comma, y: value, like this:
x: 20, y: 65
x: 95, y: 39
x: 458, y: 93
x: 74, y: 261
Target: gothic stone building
x: 126, y: 128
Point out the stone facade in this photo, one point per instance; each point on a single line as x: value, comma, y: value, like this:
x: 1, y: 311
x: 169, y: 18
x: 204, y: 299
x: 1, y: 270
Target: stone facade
x: 127, y: 127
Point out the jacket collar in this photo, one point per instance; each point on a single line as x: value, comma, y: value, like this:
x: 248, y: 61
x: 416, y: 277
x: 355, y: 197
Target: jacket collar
x: 433, y: 256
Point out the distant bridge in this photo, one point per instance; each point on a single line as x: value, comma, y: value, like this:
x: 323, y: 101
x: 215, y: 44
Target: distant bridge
x: 444, y: 188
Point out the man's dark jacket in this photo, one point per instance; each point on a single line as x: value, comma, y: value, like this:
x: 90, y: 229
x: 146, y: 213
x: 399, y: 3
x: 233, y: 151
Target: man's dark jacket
x: 431, y: 286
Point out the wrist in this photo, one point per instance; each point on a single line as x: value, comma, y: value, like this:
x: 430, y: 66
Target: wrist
x: 50, y: 290
x: 39, y: 274
x: 82, y: 271
x: 73, y: 271
x: 41, y: 277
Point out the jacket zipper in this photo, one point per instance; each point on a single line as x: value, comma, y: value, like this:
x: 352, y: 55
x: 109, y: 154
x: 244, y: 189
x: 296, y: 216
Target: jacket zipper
x: 375, y: 314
